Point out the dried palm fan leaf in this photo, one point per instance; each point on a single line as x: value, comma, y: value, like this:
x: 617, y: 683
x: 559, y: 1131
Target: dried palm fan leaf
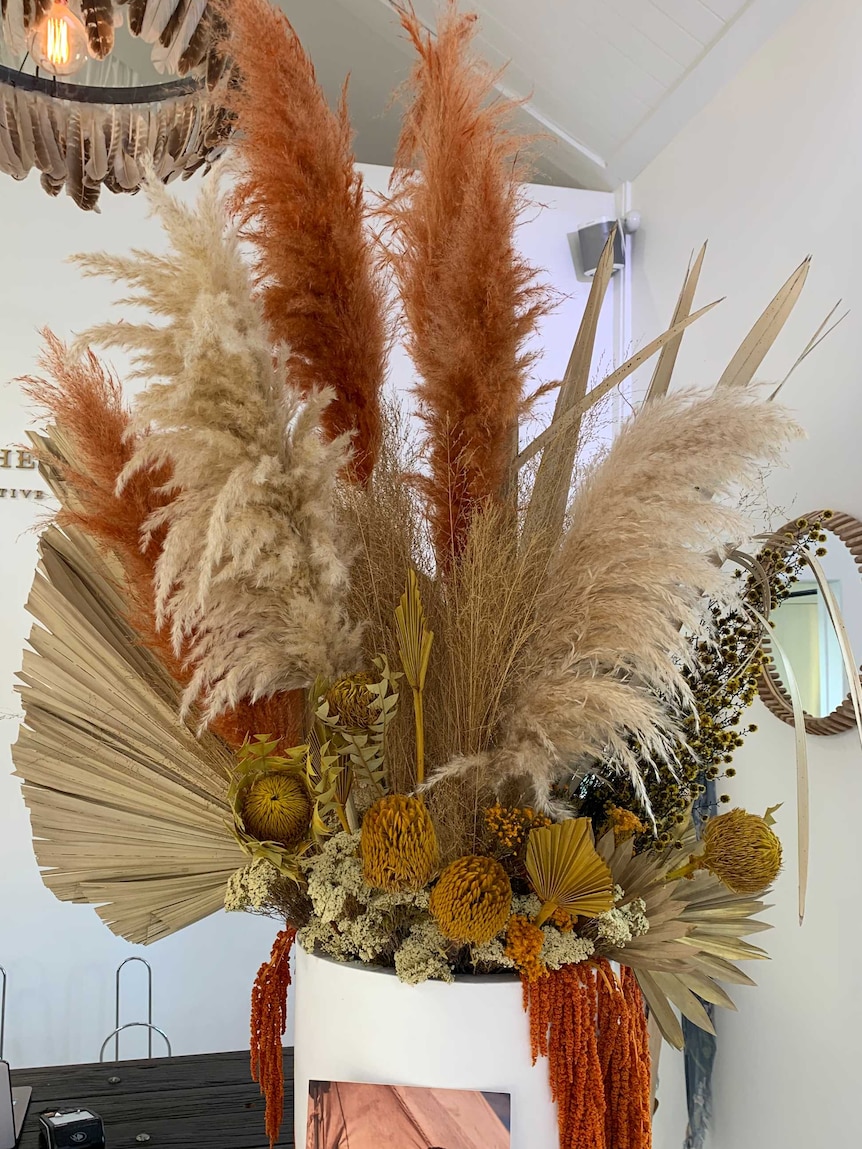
x: 566, y: 872
x: 660, y: 382
x: 695, y: 937
x: 128, y: 808
x: 252, y: 573
x: 470, y: 300
x: 626, y: 583
x: 300, y: 201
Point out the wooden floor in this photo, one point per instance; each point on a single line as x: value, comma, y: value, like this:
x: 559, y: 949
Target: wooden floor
x: 207, y: 1100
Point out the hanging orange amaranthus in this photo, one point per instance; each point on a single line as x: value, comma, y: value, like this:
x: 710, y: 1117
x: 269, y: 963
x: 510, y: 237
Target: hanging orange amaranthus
x: 268, y: 1023
x: 592, y: 1029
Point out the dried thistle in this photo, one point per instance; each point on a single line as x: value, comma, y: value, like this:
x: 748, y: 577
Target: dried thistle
x: 299, y: 199
x: 251, y: 577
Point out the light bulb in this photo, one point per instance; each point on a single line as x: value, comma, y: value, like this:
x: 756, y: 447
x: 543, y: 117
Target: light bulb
x: 59, y: 42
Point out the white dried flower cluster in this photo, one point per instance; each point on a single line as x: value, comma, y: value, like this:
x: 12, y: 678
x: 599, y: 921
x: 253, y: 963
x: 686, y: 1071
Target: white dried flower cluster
x: 249, y: 888
x: 561, y: 949
x: 351, y: 921
x: 423, y: 955
x: 623, y: 923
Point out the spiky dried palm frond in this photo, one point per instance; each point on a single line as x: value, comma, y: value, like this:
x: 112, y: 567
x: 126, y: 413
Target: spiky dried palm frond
x: 695, y: 936
x: 300, y: 200
x: 627, y: 587
x: 252, y: 573
x: 470, y: 300
x: 128, y: 809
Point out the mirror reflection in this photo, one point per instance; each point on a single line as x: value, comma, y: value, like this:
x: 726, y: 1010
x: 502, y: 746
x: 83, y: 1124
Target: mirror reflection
x: 805, y: 632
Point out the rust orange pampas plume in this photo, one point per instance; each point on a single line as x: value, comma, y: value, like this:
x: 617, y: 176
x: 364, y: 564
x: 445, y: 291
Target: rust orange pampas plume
x: 84, y: 401
x: 470, y: 301
x: 268, y: 1023
x: 592, y: 1029
x: 300, y: 201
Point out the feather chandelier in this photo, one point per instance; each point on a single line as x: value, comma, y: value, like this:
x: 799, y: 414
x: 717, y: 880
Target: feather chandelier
x: 107, y: 127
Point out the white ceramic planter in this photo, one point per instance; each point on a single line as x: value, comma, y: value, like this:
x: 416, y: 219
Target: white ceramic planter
x: 355, y: 1023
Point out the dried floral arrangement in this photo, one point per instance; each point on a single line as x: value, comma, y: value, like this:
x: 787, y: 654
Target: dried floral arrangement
x: 419, y: 695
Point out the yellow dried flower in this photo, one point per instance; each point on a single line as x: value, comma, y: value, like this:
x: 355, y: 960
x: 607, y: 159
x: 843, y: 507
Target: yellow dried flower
x: 472, y: 899
x: 276, y: 808
x: 350, y: 702
x: 398, y: 845
x: 524, y: 941
x: 623, y: 823
x: 510, y: 825
x: 562, y: 919
x: 742, y: 850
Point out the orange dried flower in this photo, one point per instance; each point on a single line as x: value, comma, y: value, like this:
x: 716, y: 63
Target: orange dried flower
x: 268, y: 1023
x: 524, y: 941
x: 592, y: 1029
x: 510, y: 825
x: 471, y: 901
x: 624, y: 823
x: 563, y: 920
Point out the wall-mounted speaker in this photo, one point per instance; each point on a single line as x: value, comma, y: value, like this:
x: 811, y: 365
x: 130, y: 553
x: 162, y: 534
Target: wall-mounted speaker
x: 588, y: 242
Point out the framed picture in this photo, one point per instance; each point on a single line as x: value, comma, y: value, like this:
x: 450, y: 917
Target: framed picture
x: 352, y: 1115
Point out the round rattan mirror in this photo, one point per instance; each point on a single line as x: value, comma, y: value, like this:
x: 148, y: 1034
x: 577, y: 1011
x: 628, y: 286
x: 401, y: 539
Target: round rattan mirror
x: 802, y: 628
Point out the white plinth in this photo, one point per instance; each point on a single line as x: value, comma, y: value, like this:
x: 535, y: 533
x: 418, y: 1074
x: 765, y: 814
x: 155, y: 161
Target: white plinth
x: 354, y: 1023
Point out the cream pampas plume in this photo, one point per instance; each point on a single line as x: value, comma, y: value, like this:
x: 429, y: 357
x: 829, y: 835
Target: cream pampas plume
x: 251, y: 576
x: 470, y: 300
x: 300, y: 200
x: 627, y: 586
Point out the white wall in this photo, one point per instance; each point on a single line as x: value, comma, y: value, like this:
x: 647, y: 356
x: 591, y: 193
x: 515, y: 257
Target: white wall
x: 770, y: 171
x: 59, y: 957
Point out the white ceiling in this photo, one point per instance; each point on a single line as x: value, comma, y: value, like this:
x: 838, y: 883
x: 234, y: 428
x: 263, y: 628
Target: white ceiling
x: 607, y: 82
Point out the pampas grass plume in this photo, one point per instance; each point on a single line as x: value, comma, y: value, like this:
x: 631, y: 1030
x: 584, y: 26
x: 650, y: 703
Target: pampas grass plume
x: 300, y: 200
x: 251, y: 576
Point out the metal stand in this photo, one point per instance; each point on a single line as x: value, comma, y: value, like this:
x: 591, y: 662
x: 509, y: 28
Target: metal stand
x: 148, y: 1024
x: 2, y: 1011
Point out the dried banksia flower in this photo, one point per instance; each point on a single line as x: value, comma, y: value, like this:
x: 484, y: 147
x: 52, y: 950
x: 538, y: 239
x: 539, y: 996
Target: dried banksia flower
x: 276, y: 808
x: 399, y: 844
x: 351, y: 702
x: 471, y: 902
x: 742, y: 850
x: 566, y: 872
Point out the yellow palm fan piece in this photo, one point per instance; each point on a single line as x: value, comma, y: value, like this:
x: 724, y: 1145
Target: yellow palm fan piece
x: 128, y: 808
x: 566, y: 871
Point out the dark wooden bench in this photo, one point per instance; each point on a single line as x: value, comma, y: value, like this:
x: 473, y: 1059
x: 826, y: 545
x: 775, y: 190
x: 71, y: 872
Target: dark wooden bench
x: 207, y: 1100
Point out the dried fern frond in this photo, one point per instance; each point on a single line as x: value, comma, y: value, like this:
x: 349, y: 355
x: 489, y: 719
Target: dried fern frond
x: 128, y: 809
x: 626, y: 588
x: 470, y: 300
x: 299, y: 199
x: 566, y: 872
x: 252, y: 574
